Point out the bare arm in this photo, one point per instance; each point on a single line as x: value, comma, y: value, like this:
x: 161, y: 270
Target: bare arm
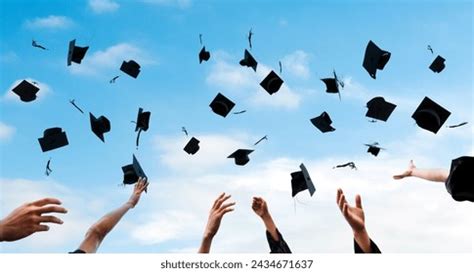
x: 435, y: 175
x: 214, y: 221
x: 261, y: 209
x: 97, y: 232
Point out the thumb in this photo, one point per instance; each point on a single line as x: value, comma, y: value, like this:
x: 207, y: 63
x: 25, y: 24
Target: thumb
x: 358, y: 201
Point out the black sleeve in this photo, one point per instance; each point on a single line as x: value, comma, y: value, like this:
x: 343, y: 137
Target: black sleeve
x: 373, y: 248
x: 78, y: 251
x: 279, y: 246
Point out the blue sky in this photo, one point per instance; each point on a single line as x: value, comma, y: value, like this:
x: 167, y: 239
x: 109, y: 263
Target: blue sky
x: 311, y: 38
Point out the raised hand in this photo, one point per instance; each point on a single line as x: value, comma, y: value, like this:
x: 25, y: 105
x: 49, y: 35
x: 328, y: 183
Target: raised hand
x: 218, y: 210
x: 354, y: 215
x: 139, y: 188
x: 260, y: 207
x: 29, y: 218
x: 407, y: 173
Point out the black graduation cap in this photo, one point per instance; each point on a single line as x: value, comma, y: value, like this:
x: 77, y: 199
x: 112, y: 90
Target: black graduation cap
x: 143, y: 120
x: 192, y: 147
x: 374, y: 149
x: 99, y: 126
x: 375, y: 58
x: 204, y: 55
x: 301, y: 181
x: 53, y: 138
x: 132, y: 172
x: 130, y: 68
x: 249, y: 61
x: 379, y: 109
x: 438, y: 64
x: 271, y: 83
x: 430, y: 116
x: 76, y: 53
x: 26, y: 91
x: 332, y: 86
x: 460, y: 183
x: 323, y: 123
x: 221, y: 105
x: 241, y: 156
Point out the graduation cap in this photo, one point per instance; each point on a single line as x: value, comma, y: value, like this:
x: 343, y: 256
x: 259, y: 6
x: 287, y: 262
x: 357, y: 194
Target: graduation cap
x: 204, y: 55
x: 249, y: 61
x: 76, y: 53
x: 271, y: 83
x: 331, y: 85
x: 438, y: 64
x: 53, y: 138
x: 460, y: 180
x: 192, y: 147
x: 375, y: 58
x: 323, y: 123
x: 241, y: 156
x: 143, y: 120
x: 26, y: 91
x: 301, y: 181
x: 132, y: 172
x: 430, y: 116
x: 379, y: 109
x: 374, y: 149
x: 142, y: 123
x: 130, y: 68
x: 99, y: 126
x: 221, y: 105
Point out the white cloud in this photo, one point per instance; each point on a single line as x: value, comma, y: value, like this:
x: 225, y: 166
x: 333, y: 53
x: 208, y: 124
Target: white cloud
x: 45, y: 89
x: 296, y: 64
x: 50, y: 22
x: 103, y: 6
x: 244, y: 83
x: 178, y: 3
x: 111, y: 58
x: 6, y: 131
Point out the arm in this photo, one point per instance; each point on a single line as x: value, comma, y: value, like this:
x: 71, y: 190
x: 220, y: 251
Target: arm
x: 260, y: 207
x: 28, y: 218
x: 275, y: 239
x: 435, y: 175
x: 214, y: 221
x: 356, y: 219
x: 97, y: 232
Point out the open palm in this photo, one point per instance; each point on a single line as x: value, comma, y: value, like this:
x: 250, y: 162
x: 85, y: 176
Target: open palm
x: 353, y: 215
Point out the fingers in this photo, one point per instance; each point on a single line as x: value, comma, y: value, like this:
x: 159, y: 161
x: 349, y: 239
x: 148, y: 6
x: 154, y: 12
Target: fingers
x: 345, y: 210
x: 221, y: 200
x: 217, y: 200
x: 46, y: 201
x: 226, y: 211
x: 338, y: 195
x: 341, y: 201
x: 358, y: 201
x: 225, y: 206
x: 50, y: 209
x: 39, y: 228
x: 50, y: 219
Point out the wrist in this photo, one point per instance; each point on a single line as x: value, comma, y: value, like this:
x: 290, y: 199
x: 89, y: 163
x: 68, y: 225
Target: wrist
x: 208, y: 237
x: 360, y: 232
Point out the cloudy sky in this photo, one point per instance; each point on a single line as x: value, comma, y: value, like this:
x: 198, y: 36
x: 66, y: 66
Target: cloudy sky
x: 310, y: 38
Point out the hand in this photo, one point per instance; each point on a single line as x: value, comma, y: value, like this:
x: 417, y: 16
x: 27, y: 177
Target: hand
x: 215, y: 215
x: 28, y: 219
x: 260, y: 207
x: 406, y: 173
x: 140, y: 186
x: 354, y: 215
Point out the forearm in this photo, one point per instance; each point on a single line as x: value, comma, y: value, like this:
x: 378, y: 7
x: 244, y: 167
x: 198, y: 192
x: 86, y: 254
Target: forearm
x: 436, y: 175
x: 110, y: 220
x: 270, y: 226
x: 363, y: 240
x: 205, y: 244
